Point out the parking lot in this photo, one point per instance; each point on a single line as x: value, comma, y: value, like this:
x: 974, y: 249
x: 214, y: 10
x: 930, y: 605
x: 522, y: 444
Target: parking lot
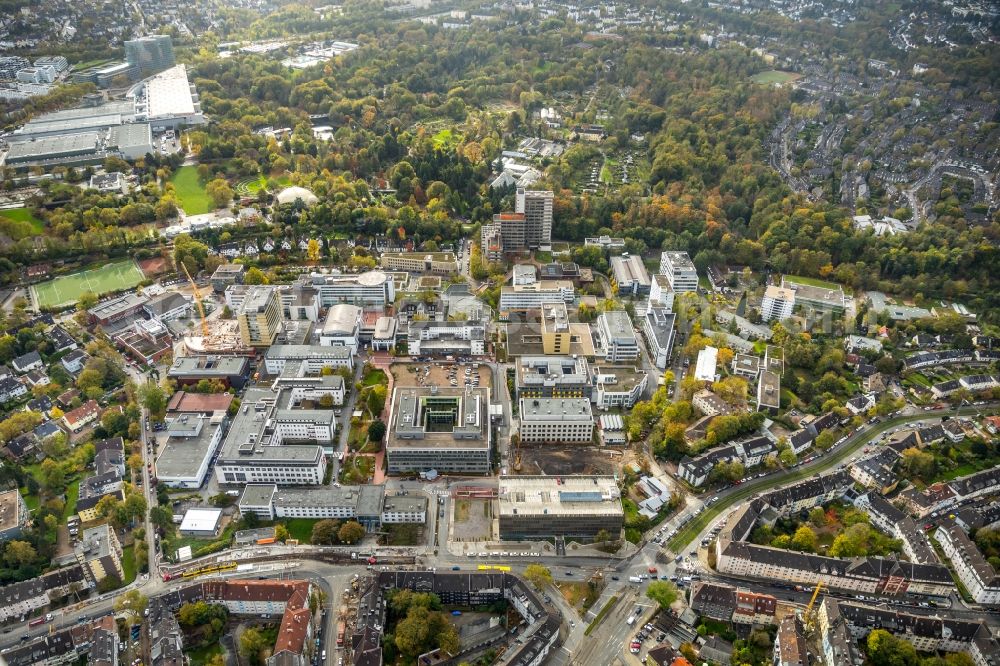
x: 443, y: 374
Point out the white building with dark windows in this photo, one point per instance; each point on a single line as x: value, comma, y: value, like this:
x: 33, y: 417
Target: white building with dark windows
x: 370, y: 288
x: 270, y: 442
x: 556, y: 420
x: 680, y: 271
x: 778, y: 303
x: 617, y: 337
x: 658, y: 325
x: 440, y: 338
x: 314, y: 357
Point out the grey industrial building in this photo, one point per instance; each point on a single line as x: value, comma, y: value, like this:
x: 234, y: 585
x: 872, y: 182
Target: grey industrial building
x: 570, y: 507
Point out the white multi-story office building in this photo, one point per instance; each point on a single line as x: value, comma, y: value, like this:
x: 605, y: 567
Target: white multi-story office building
x: 617, y: 337
x: 441, y: 338
x: 255, y: 450
x: 370, y: 288
x: 313, y: 357
x: 778, y: 303
x: 661, y: 294
x: 533, y: 296
x: 658, y: 324
x: 680, y: 271
x: 447, y: 430
x: 618, y: 387
x: 556, y: 420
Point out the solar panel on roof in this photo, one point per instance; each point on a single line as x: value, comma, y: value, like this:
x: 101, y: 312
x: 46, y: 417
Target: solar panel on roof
x: 571, y: 496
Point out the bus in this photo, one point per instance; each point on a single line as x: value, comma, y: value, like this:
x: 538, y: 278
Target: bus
x: 37, y: 621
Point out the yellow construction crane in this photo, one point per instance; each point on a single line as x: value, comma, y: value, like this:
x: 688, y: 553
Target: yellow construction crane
x: 809, y: 615
x: 197, y: 301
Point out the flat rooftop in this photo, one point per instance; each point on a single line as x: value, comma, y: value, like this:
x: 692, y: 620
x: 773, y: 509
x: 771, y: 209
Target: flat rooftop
x: 116, y: 306
x: 562, y: 409
x: 618, y: 325
x: 10, y: 501
x: 559, y: 495
x: 209, y: 366
x: 443, y: 418
x: 246, y: 441
x: 306, y: 352
x: 201, y: 520
x: 169, y: 94
x: 526, y: 339
x: 678, y: 260
x: 62, y: 144
x: 188, y: 445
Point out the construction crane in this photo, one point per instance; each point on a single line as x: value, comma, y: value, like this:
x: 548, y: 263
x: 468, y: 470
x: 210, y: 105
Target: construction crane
x: 197, y: 301
x: 809, y: 616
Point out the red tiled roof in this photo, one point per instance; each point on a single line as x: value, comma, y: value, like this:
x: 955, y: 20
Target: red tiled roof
x: 184, y: 401
x: 89, y: 408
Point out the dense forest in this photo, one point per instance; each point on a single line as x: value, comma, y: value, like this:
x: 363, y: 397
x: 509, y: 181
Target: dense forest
x: 702, y: 124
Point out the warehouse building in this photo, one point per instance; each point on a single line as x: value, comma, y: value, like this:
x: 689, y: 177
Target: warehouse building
x: 570, y: 507
x: 446, y: 430
x: 556, y: 420
x: 630, y: 275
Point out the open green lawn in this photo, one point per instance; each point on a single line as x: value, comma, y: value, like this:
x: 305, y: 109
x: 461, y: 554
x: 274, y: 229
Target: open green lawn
x: 374, y: 377
x: 67, y: 289
x: 20, y: 223
x: 775, y: 76
x: 446, y: 139
x: 190, y: 192
x: 300, y: 528
x: 128, y: 564
x: 31, y: 501
x: 72, y: 495
x: 203, y: 655
x: 87, y: 64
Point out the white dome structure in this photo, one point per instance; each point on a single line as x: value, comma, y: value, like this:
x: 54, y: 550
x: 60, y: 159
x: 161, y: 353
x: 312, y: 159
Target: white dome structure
x: 295, y: 193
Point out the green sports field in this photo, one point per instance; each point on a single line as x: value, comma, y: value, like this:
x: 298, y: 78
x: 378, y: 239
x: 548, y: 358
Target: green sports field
x: 191, y: 193
x: 67, y: 289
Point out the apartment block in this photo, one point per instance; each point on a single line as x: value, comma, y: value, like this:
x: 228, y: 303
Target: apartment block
x: 777, y: 304
x: 978, y: 576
